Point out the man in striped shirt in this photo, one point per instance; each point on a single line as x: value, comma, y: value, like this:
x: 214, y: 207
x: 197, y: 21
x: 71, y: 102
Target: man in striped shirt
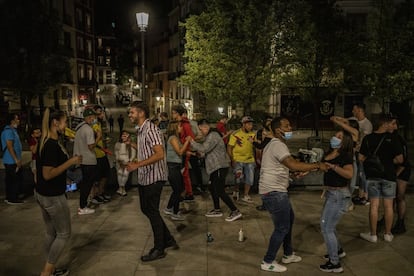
x: 152, y: 174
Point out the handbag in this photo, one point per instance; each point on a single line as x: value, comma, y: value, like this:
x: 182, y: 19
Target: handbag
x: 373, y: 166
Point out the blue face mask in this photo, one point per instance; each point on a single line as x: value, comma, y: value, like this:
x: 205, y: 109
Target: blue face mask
x: 288, y: 135
x: 335, y: 142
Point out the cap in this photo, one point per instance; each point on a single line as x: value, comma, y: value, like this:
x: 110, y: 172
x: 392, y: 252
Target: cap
x: 88, y: 112
x: 247, y: 119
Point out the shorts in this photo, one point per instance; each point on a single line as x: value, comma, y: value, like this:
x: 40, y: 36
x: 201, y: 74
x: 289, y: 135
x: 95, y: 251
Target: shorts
x: 405, y: 174
x: 244, y: 173
x: 102, y: 168
x: 381, y: 188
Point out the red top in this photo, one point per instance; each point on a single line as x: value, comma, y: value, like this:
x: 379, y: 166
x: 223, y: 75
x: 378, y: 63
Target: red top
x: 32, y: 142
x: 186, y: 130
x: 221, y: 127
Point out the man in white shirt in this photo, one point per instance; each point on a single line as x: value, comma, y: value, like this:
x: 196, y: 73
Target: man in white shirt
x: 365, y: 125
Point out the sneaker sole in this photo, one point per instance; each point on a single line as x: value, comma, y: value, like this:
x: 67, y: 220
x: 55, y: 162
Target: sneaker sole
x: 335, y: 270
x: 214, y: 216
x: 273, y: 270
x: 234, y: 218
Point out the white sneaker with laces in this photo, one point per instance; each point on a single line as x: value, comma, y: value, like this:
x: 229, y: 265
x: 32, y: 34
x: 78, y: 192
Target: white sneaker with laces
x: 234, y: 215
x: 85, y: 211
x: 273, y: 267
x: 388, y: 237
x: 215, y: 213
x: 291, y: 259
x: 247, y: 199
x: 369, y: 237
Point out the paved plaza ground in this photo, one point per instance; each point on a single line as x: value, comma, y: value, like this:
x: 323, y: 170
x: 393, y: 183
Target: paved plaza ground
x: 111, y: 241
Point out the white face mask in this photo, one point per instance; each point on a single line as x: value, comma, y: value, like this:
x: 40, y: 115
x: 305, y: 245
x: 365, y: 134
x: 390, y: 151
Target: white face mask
x: 288, y: 135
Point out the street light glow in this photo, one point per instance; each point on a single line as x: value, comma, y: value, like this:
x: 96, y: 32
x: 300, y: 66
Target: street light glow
x: 142, y: 20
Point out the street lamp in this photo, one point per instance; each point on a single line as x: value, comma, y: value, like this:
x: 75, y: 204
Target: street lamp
x: 142, y: 22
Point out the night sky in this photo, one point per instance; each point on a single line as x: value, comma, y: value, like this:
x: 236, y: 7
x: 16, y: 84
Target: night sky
x: 123, y: 13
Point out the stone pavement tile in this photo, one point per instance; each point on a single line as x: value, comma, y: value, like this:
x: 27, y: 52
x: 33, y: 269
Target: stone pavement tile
x: 87, y: 263
x: 29, y: 265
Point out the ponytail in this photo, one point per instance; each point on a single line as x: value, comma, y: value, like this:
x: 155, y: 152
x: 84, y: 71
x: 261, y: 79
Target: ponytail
x: 49, y: 115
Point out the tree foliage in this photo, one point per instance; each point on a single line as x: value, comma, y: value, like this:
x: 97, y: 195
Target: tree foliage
x: 389, y: 51
x: 30, y: 53
x: 227, y: 50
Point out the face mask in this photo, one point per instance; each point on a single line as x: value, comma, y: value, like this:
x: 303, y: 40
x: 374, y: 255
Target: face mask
x: 335, y: 142
x: 288, y: 135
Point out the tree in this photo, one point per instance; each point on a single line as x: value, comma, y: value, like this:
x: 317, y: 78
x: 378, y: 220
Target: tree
x: 30, y: 52
x: 227, y: 50
x: 390, y: 40
x: 310, y: 52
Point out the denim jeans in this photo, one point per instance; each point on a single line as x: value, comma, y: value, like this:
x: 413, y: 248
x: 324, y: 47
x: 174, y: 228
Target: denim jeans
x: 381, y: 188
x: 149, y: 198
x: 177, y: 184
x: 336, y: 204
x: 56, y: 216
x: 280, y: 209
x: 13, y: 181
x: 218, y: 179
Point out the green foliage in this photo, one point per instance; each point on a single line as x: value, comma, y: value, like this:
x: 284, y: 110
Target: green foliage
x: 29, y: 50
x: 228, y: 53
x: 389, y: 51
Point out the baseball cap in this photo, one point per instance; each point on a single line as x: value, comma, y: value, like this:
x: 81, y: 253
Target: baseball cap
x: 247, y: 119
x: 88, y: 112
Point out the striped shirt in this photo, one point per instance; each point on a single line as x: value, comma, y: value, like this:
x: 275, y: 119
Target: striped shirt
x: 148, y: 136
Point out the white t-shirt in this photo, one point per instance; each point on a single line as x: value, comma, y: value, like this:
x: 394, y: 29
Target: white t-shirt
x: 274, y: 176
x: 365, y: 126
x: 85, y: 136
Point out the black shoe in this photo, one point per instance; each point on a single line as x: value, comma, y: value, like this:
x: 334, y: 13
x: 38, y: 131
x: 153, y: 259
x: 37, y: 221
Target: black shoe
x: 399, y: 228
x: 341, y: 254
x: 330, y: 267
x: 188, y: 198
x: 172, y: 244
x: 260, y: 208
x: 153, y: 255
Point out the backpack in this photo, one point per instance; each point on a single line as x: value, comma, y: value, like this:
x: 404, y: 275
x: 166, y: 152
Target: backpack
x: 373, y: 166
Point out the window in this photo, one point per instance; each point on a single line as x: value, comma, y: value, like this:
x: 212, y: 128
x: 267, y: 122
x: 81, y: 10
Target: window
x: 100, y: 60
x: 100, y: 43
x: 79, y: 43
x: 67, y: 40
x: 79, y: 18
x: 81, y: 71
x: 108, y: 76
x: 108, y: 61
x: 89, y: 48
x: 108, y: 50
x: 88, y: 22
x: 90, y: 72
x: 100, y: 77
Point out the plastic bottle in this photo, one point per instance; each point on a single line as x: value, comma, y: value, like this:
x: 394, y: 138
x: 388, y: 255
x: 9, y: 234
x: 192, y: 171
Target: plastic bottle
x: 241, y: 235
x: 209, y: 237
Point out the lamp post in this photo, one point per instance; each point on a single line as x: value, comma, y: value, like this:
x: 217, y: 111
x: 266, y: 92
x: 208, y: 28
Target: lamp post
x: 142, y: 22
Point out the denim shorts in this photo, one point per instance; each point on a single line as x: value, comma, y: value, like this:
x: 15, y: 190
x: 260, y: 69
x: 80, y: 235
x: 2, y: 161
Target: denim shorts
x: 244, y: 173
x: 381, y: 188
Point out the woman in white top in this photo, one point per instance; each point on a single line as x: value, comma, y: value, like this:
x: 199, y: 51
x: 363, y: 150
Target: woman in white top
x: 124, y: 152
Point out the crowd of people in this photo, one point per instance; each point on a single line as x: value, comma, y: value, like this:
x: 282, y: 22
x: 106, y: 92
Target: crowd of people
x: 171, y: 150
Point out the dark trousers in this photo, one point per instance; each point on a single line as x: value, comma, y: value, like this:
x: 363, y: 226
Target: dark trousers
x: 149, y: 198
x: 85, y: 186
x: 176, y: 181
x: 218, y: 179
x: 195, y: 173
x: 13, y: 181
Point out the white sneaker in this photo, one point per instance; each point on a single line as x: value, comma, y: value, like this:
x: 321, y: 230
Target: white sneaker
x: 369, y: 237
x: 247, y: 199
x: 85, y: 211
x: 388, y: 237
x: 169, y: 211
x: 274, y: 267
x: 177, y: 217
x: 291, y: 259
x: 234, y: 215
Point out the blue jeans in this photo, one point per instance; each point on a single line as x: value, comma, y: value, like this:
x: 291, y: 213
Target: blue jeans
x: 336, y: 204
x: 56, y: 216
x: 280, y: 209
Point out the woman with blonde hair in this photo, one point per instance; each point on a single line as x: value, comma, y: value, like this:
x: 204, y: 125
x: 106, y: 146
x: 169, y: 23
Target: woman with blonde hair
x: 52, y: 163
x: 125, y: 152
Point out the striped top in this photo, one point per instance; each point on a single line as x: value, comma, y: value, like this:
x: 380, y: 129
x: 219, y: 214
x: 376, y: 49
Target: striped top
x: 149, y: 135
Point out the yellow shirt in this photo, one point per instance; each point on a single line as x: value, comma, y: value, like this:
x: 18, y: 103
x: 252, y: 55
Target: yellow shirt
x: 99, y: 145
x: 242, y: 143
